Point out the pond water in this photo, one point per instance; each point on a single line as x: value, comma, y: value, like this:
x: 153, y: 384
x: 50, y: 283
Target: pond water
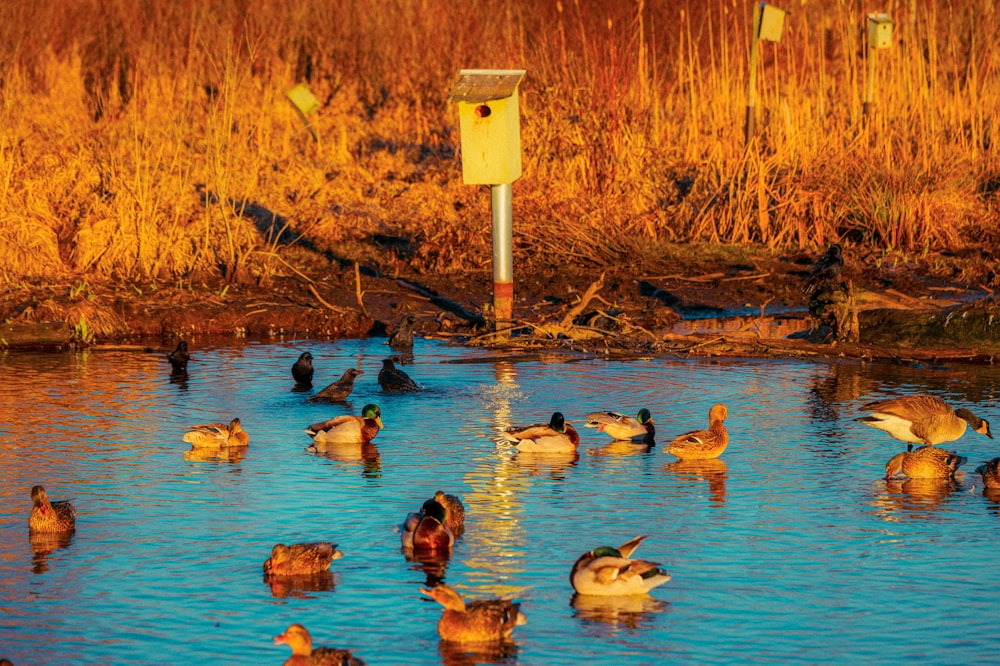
x: 791, y: 547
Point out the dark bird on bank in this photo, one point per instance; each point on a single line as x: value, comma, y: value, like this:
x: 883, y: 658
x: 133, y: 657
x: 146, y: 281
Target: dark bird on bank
x: 302, y: 370
x: 179, y: 358
x: 402, y: 338
x: 391, y: 378
x: 826, y: 271
x: 339, y: 390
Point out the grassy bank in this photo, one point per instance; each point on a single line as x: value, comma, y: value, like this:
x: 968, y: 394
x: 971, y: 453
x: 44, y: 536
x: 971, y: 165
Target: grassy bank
x: 153, y: 142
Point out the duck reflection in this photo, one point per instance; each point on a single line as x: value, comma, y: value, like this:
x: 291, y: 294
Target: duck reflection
x: 300, y: 585
x: 631, y: 611
x: 470, y: 654
x: 916, y: 495
x: 623, y: 448
x: 553, y: 464
x: 353, y: 454
x: 992, y: 496
x: 433, y: 566
x: 230, y: 454
x: 713, y: 470
x: 43, y: 544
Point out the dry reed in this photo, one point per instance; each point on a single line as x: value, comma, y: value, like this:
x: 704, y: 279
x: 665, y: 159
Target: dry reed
x: 152, y: 141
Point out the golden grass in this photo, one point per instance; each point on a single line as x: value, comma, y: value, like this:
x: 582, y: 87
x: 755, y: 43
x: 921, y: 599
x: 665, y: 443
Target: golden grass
x: 153, y: 141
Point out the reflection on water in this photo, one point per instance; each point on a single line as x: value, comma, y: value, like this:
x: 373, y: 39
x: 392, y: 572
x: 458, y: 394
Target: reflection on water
x: 610, y: 614
x: 793, y: 531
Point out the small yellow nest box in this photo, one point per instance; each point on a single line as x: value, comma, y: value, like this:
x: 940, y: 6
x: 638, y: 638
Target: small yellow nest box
x: 490, y: 122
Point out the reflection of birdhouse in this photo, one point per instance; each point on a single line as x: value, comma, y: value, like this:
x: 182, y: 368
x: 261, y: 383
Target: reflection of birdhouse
x: 490, y: 122
x: 879, y: 31
x: 772, y: 21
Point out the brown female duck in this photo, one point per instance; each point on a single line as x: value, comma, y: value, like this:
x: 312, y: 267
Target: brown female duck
x: 454, y: 511
x: 926, y: 462
x: 301, y: 558
x: 217, y: 435
x: 702, y: 444
x: 480, y: 621
x: 990, y: 471
x: 304, y: 654
x: 49, y: 516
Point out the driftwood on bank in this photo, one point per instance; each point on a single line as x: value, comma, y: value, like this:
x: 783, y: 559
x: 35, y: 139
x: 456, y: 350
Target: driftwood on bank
x: 970, y: 326
x: 46, y: 335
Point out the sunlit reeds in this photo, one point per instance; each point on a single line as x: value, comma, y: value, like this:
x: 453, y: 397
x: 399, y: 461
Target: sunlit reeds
x: 153, y: 141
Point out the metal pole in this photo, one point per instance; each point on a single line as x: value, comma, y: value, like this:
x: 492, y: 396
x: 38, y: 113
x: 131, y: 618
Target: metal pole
x: 750, y: 121
x: 870, y: 84
x: 502, y: 199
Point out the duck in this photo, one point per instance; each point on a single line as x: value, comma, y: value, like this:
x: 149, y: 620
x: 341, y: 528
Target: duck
x: 922, y: 419
x: 621, y: 427
x: 402, y: 338
x: 47, y: 516
x: 426, y: 530
x: 925, y: 462
x: 348, y: 429
x: 217, y: 435
x: 990, y: 471
x: 179, y: 358
x: 556, y: 436
x: 702, y: 444
x: 454, y: 511
x: 392, y: 379
x: 340, y: 389
x: 302, y: 370
x: 480, y: 621
x: 303, y: 653
x: 301, y: 558
x: 608, y: 571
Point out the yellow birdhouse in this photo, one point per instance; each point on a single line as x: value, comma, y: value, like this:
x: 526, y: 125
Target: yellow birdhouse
x: 879, y: 31
x: 490, y: 122
x: 772, y: 22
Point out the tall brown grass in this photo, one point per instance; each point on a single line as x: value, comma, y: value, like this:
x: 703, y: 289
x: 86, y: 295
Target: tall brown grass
x: 153, y: 141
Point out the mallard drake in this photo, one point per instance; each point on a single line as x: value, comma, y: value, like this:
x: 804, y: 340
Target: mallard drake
x: 402, y: 338
x: 922, y: 419
x: 392, y: 379
x: 340, y: 389
x: 425, y: 530
x: 555, y: 436
x: 480, y: 621
x: 179, y: 358
x: 301, y: 558
x: 926, y: 462
x: 621, y: 427
x: 217, y: 435
x: 348, y: 429
x: 990, y: 471
x: 302, y: 370
x: 609, y: 571
x: 49, y: 516
x: 702, y: 444
x: 303, y: 652
x: 454, y: 511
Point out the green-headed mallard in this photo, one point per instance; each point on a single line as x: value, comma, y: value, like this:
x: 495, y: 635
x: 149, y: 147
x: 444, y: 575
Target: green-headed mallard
x: 348, y: 429
x: 301, y: 558
x: 555, y: 436
x: 394, y: 380
x: 925, y: 462
x: 609, y: 571
x: 922, y: 419
x: 454, y: 511
x: 217, y: 435
x: 49, y: 516
x: 990, y: 471
x: 622, y: 427
x: 302, y: 370
x: 340, y: 389
x: 304, y: 654
x: 480, y: 621
x: 425, y: 531
x: 702, y: 444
